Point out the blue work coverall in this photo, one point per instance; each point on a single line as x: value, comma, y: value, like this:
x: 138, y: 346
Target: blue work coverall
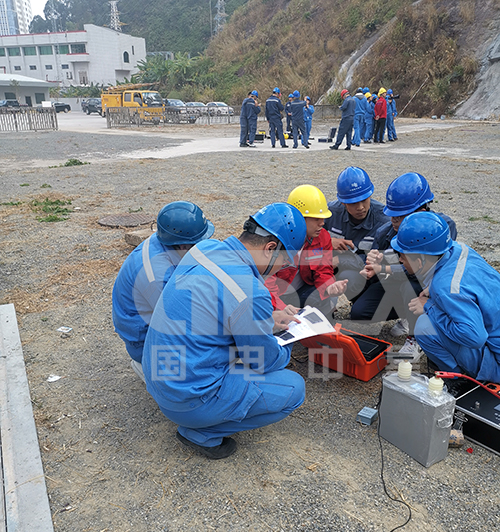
x: 362, y: 234
x: 460, y: 330
x: 391, y: 115
x: 308, y: 116
x: 253, y: 111
x: 298, y: 124
x: 215, y: 312
x: 288, y: 112
x: 348, y: 109
x: 274, y: 108
x: 389, y: 298
x: 137, y: 289
x: 359, y: 118
x: 369, y: 118
x: 245, y: 119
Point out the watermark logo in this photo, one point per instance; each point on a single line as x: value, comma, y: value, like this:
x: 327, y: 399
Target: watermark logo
x: 323, y: 356
x: 168, y: 362
x: 247, y: 361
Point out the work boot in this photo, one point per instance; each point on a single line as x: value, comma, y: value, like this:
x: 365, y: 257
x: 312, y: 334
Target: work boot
x: 334, y: 147
x: 225, y: 449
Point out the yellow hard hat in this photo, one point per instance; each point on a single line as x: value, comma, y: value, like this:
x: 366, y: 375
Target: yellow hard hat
x: 310, y: 201
x: 368, y: 95
x: 381, y: 91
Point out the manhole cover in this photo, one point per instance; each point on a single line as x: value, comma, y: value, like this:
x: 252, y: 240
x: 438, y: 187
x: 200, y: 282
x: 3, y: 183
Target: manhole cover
x: 126, y: 220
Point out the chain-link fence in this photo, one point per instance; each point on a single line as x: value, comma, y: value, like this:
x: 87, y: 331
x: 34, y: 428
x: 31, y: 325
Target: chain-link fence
x: 28, y: 119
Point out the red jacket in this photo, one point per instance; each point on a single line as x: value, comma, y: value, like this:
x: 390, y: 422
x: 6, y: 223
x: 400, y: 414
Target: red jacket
x: 315, y: 268
x: 380, y: 109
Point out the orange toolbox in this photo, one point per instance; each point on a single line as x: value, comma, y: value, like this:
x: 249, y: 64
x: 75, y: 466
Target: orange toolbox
x: 348, y: 352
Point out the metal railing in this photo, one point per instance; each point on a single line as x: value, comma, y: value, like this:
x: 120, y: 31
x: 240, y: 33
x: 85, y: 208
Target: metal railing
x: 142, y: 116
x: 28, y: 119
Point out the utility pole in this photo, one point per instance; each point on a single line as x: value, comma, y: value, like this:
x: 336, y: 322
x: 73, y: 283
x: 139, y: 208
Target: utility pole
x: 220, y: 18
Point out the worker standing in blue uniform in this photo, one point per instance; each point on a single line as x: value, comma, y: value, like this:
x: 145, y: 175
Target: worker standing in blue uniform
x: 359, y: 117
x: 214, y: 313
x: 140, y: 281
x: 354, y: 221
x: 253, y: 112
x: 274, y: 108
x: 458, y: 324
x: 244, y: 120
x: 298, y: 126
x: 308, y: 114
x: 389, y: 298
x: 288, y: 112
x: 369, y: 117
x: 391, y: 115
x: 348, y: 109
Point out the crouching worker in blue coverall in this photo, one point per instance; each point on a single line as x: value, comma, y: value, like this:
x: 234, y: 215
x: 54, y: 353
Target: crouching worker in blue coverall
x: 210, y: 359
x: 140, y: 281
x: 458, y: 324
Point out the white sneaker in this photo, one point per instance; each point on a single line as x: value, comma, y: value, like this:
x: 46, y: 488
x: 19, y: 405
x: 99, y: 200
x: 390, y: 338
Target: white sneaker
x: 137, y: 367
x: 410, y: 349
x: 401, y: 328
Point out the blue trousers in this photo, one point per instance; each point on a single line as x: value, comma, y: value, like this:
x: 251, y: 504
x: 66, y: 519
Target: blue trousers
x: 308, y: 126
x: 391, y: 130
x: 252, y: 130
x: 359, y: 129
x: 240, y: 404
x: 244, y: 129
x: 134, y: 349
x: 368, y: 128
x: 479, y: 363
x: 345, y: 130
x: 276, y: 128
x: 296, y: 127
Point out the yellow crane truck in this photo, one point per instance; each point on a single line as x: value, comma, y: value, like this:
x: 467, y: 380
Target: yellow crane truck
x: 142, y: 104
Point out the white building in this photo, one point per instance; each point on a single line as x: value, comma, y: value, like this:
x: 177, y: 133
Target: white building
x: 92, y: 55
x: 15, y: 16
x: 25, y: 90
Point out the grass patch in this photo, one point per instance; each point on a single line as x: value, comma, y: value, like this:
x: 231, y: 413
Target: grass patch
x: 485, y: 218
x: 12, y: 203
x: 69, y: 162
x: 24, y: 185
x: 45, y: 185
x: 55, y: 210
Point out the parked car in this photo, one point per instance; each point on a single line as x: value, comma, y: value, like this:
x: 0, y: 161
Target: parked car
x: 9, y: 103
x: 177, y: 111
x: 197, y: 107
x: 92, y: 105
x: 61, y: 107
x: 219, y: 108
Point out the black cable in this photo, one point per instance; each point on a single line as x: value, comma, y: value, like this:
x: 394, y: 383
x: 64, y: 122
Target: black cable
x: 382, y: 468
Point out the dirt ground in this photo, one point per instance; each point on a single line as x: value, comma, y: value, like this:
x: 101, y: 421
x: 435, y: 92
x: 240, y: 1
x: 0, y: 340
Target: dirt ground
x: 111, y: 459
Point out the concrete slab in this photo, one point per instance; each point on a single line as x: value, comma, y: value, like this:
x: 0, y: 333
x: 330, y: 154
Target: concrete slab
x: 25, y: 503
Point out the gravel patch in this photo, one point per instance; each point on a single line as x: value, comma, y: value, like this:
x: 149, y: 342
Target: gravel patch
x: 111, y: 459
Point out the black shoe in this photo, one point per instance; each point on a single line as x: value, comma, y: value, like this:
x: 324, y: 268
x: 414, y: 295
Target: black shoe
x: 375, y: 141
x: 391, y: 140
x: 225, y: 449
x: 243, y: 145
x: 348, y: 148
x: 272, y: 146
x: 294, y: 147
x: 381, y: 142
x: 307, y: 147
x: 285, y: 146
x: 356, y: 145
x: 334, y: 147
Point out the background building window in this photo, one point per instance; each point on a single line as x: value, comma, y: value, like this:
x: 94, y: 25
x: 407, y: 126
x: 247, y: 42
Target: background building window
x: 48, y: 67
x: 39, y: 97
x: 17, y: 67
x: 10, y: 96
x: 14, y: 52
x: 2, y: 52
x: 78, y: 49
x: 65, y: 67
x: 62, y: 49
x: 29, y: 50
x: 133, y: 51
x: 32, y: 67
x: 126, y: 58
x: 45, y: 50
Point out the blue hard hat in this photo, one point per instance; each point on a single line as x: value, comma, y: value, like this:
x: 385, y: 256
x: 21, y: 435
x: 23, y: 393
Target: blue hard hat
x: 423, y: 233
x: 286, y: 223
x: 406, y: 194
x: 182, y: 222
x: 255, y: 93
x: 353, y: 185
x: 307, y: 98
x: 290, y: 95
x: 296, y: 94
x: 359, y: 89
x: 277, y: 90
x: 389, y: 91
x: 365, y: 90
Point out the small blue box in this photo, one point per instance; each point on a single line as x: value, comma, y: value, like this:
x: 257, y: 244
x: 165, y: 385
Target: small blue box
x: 366, y: 416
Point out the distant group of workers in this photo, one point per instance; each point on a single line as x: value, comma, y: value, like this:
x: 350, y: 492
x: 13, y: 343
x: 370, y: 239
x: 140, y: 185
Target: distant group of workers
x: 197, y: 315
x: 365, y: 117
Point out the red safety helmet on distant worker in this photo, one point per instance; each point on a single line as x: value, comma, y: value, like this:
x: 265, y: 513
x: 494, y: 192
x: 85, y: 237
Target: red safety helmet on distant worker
x: 343, y: 93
